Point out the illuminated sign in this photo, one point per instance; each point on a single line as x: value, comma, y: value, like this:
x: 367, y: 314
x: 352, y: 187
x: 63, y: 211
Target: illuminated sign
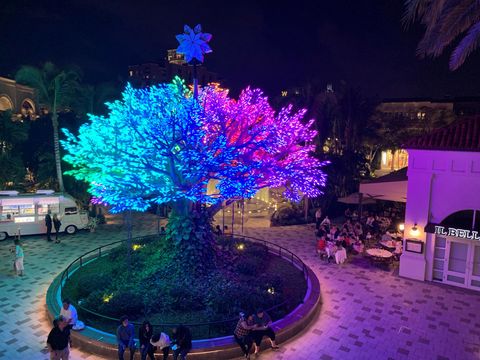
x: 25, y: 219
x: 461, y: 233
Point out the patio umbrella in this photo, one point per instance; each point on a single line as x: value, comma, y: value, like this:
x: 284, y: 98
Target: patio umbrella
x: 356, y: 199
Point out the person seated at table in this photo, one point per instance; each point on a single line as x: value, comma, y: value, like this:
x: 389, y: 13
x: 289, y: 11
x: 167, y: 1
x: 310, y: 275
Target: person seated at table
x: 398, y: 250
x: 321, y: 246
x: 331, y: 249
x: 386, y: 237
x: 340, y: 254
x: 348, y: 240
x: 326, y: 222
x: 348, y: 213
x: 334, y: 233
x: 347, y: 224
x: 321, y: 232
x: 370, y: 220
x: 355, y: 215
x: 358, y: 246
x: 358, y: 229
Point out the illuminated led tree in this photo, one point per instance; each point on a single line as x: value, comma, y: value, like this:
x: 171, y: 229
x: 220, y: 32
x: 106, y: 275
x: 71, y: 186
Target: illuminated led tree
x: 161, y: 145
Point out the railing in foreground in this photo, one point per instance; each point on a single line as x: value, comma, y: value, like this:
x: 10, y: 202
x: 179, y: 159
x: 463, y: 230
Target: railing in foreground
x: 207, y: 326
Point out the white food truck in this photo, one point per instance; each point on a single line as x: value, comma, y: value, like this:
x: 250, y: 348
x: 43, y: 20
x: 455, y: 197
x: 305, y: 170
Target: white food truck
x: 25, y: 213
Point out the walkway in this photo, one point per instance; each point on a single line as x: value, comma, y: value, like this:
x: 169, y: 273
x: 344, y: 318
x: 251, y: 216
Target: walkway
x: 367, y: 313
x: 23, y: 323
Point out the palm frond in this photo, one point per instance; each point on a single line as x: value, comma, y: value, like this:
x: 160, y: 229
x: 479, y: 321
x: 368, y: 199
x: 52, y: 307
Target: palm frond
x: 467, y: 45
x: 444, y: 21
x: 32, y: 76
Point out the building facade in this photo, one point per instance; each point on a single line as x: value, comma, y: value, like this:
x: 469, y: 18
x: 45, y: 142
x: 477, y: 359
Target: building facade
x: 147, y: 74
x: 442, y: 220
x: 415, y: 116
x: 21, y: 100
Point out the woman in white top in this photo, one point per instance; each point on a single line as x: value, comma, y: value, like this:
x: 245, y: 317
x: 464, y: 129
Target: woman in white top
x: 69, y: 312
x: 162, y: 342
x: 19, y: 257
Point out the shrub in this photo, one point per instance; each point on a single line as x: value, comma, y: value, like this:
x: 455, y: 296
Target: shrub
x: 123, y: 303
x: 250, y: 266
x: 256, y: 250
x: 86, y: 283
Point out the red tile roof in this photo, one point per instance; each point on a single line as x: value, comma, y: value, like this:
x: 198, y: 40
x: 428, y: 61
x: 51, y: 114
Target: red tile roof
x: 461, y: 135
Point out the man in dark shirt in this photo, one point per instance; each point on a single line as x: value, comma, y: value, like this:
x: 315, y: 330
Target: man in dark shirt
x: 125, y: 338
x: 182, y: 342
x: 263, y: 322
x: 48, y: 224
x: 59, y: 339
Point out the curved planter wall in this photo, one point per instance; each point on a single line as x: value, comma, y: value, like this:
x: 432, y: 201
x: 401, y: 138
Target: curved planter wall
x: 104, y: 344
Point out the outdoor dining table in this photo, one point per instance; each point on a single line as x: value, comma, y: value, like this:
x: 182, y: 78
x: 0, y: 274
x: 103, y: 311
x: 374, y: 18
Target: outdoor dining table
x: 380, y: 256
x: 389, y: 244
x: 379, y: 253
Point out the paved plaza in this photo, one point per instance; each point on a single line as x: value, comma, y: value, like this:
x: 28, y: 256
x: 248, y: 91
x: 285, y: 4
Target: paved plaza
x: 367, y: 313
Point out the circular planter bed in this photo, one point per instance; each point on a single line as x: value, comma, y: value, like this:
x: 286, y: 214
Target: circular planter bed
x: 254, y: 274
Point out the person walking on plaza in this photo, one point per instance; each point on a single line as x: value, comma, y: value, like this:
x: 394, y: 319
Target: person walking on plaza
x: 48, y: 224
x: 144, y: 335
x: 59, y: 339
x: 19, y: 257
x: 125, y: 338
x: 263, y: 322
x: 318, y: 218
x: 56, y: 225
x: 162, y: 343
x: 182, y: 342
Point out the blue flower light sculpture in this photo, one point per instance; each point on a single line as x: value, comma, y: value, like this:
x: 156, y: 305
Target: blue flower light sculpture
x: 193, y: 43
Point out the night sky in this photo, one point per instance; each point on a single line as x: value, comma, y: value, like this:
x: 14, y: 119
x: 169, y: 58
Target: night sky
x: 269, y: 44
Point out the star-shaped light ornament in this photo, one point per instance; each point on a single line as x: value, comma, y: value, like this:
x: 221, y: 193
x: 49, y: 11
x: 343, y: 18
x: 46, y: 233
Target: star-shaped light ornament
x: 193, y: 43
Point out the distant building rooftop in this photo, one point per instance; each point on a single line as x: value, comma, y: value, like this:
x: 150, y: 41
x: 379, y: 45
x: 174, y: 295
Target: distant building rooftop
x: 461, y: 135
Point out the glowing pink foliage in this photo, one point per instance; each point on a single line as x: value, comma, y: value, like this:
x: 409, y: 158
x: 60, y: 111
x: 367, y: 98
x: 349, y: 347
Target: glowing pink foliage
x: 272, y: 150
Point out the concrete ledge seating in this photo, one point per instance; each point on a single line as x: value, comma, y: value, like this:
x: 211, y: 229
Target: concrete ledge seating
x: 100, y: 343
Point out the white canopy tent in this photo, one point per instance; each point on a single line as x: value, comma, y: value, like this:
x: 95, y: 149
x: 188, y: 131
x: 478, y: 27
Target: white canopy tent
x: 391, y: 187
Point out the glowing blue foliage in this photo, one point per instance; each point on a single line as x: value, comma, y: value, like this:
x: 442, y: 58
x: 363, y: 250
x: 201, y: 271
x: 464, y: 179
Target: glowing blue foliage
x: 160, y: 145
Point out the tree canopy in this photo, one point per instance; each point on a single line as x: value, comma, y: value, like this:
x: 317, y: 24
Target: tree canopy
x: 160, y: 145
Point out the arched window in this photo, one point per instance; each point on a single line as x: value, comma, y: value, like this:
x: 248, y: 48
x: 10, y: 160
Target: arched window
x: 5, y: 103
x: 28, y: 108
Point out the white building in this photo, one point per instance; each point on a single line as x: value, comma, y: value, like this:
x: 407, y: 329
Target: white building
x: 442, y: 220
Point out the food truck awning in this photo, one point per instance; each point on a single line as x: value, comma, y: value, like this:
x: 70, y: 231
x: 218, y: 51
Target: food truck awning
x: 48, y: 200
x: 17, y: 201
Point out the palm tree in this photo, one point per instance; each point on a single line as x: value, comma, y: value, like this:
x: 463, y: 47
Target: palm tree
x: 445, y: 22
x: 57, y: 91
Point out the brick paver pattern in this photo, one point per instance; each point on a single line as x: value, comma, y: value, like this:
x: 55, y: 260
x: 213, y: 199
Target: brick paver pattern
x: 367, y: 312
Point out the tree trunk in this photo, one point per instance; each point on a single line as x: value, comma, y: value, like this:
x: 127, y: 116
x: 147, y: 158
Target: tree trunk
x: 128, y: 221
x: 56, y: 142
x: 195, y: 81
x: 189, y: 231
